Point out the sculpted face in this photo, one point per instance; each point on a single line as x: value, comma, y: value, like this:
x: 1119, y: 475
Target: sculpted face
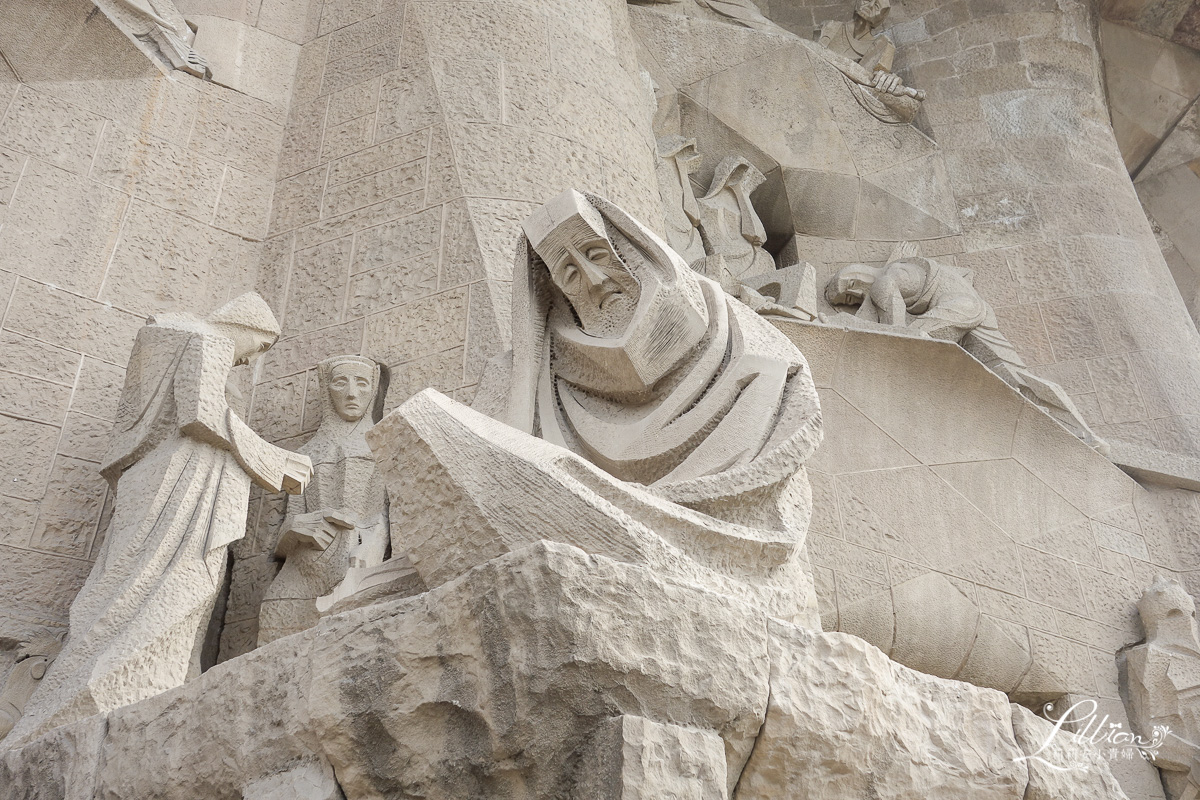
x: 248, y: 344
x: 351, y: 390
x: 873, y: 12
x: 851, y: 285
x: 586, y: 268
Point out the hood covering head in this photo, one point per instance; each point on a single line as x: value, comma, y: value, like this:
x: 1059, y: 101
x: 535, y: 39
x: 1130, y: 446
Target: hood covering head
x: 696, y: 397
x: 669, y: 319
x: 247, y: 311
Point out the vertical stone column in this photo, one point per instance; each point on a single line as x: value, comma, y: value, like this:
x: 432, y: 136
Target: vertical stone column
x: 1051, y: 224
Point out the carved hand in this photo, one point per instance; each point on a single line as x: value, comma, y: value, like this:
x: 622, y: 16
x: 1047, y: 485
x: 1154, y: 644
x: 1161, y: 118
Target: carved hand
x: 887, y: 82
x: 315, y: 529
x: 296, y: 473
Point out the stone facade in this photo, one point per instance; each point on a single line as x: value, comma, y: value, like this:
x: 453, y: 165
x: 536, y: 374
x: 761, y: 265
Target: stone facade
x: 366, y: 165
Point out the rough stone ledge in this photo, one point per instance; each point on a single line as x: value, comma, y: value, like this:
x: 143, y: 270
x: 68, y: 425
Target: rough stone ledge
x: 505, y: 683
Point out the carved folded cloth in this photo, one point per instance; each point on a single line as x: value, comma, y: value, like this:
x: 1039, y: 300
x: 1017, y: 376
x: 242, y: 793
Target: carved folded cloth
x: 698, y: 398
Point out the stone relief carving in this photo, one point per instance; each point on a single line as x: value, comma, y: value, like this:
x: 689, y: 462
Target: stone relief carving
x: 341, y: 519
x: 921, y: 296
x: 740, y: 12
x: 160, y: 23
x: 721, y: 235
x: 181, y: 463
x: 620, y: 354
x: 33, y: 659
x: 865, y: 58
x: 730, y: 226
x: 677, y: 159
x: 1163, y: 684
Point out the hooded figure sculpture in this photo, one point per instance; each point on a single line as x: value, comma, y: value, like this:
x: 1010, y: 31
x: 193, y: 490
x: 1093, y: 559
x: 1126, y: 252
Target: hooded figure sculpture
x: 340, y: 520
x: 181, y: 462
x: 625, y: 356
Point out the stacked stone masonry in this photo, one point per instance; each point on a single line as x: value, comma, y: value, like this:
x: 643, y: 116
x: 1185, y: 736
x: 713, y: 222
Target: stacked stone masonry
x: 365, y: 165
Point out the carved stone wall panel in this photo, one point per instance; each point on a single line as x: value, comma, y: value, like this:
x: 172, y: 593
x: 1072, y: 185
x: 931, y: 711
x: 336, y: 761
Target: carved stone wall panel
x: 122, y: 191
x: 1027, y: 542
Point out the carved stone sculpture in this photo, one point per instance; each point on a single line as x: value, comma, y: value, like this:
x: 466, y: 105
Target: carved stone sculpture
x: 865, y: 58
x: 677, y: 158
x: 1163, y: 684
x: 160, y: 23
x: 740, y: 12
x: 624, y: 355
x: 181, y: 463
x: 341, y: 519
x: 33, y: 659
x: 731, y: 227
x: 937, y: 300
x: 675, y: 421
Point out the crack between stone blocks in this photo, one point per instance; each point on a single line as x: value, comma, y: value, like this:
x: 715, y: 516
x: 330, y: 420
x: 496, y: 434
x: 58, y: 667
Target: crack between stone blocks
x: 757, y: 739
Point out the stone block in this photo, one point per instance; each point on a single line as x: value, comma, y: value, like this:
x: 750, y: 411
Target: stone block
x: 387, y: 286
x: 299, y: 353
x: 70, y: 511
x: 340, y: 13
x: 33, y: 398
x: 169, y: 262
x: 374, y: 188
x: 360, y: 219
x: 830, y: 690
x: 243, y: 205
x: 317, y: 285
x: 51, y: 130
x: 399, y: 240
x: 162, y: 173
x: 60, y: 228
x: 84, y: 437
x: 410, y: 331
x: 301, y: 147
x: 226, y: 132
x: 248, y: 59
x: 298, y: 200
x: 26, y: 453
x: 385, y: 156
x: 365, y: 65
x: 19, y: 517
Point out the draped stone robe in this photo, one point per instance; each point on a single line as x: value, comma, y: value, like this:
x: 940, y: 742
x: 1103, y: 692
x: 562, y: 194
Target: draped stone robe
x: 181, y: 462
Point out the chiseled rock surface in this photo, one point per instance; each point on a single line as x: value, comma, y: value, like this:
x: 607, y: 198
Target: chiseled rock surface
x: 547, y: 673
x: 844, y: 721
x: 59, y: 766
x: 1051, y: 752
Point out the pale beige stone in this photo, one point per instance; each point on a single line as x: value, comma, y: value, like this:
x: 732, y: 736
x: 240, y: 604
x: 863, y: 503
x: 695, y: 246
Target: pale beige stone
x: 341, y: 519
x: 174, y: 428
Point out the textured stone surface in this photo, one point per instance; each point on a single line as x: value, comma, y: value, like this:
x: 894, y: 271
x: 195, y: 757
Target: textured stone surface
x: 532, y: 676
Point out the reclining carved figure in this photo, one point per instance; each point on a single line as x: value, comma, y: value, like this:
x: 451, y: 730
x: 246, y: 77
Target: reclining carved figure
x: 936, y: 300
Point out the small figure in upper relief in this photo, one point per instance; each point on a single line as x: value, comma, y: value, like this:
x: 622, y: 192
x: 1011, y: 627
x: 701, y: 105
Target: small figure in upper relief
x: 160, y: 22
x: 180, y: 461
x: 865, y: 59
x: 940, y: 301
x: 341, y: 520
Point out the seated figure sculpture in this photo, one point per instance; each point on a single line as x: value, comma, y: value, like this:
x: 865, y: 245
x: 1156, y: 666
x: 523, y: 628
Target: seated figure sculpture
x: 865, y: 59
x: 341, y: 519
x: 160, y: 23
x: 180, y: 462
x: 921, y: 296
x: 642, y: 415
x: 624, y: 355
